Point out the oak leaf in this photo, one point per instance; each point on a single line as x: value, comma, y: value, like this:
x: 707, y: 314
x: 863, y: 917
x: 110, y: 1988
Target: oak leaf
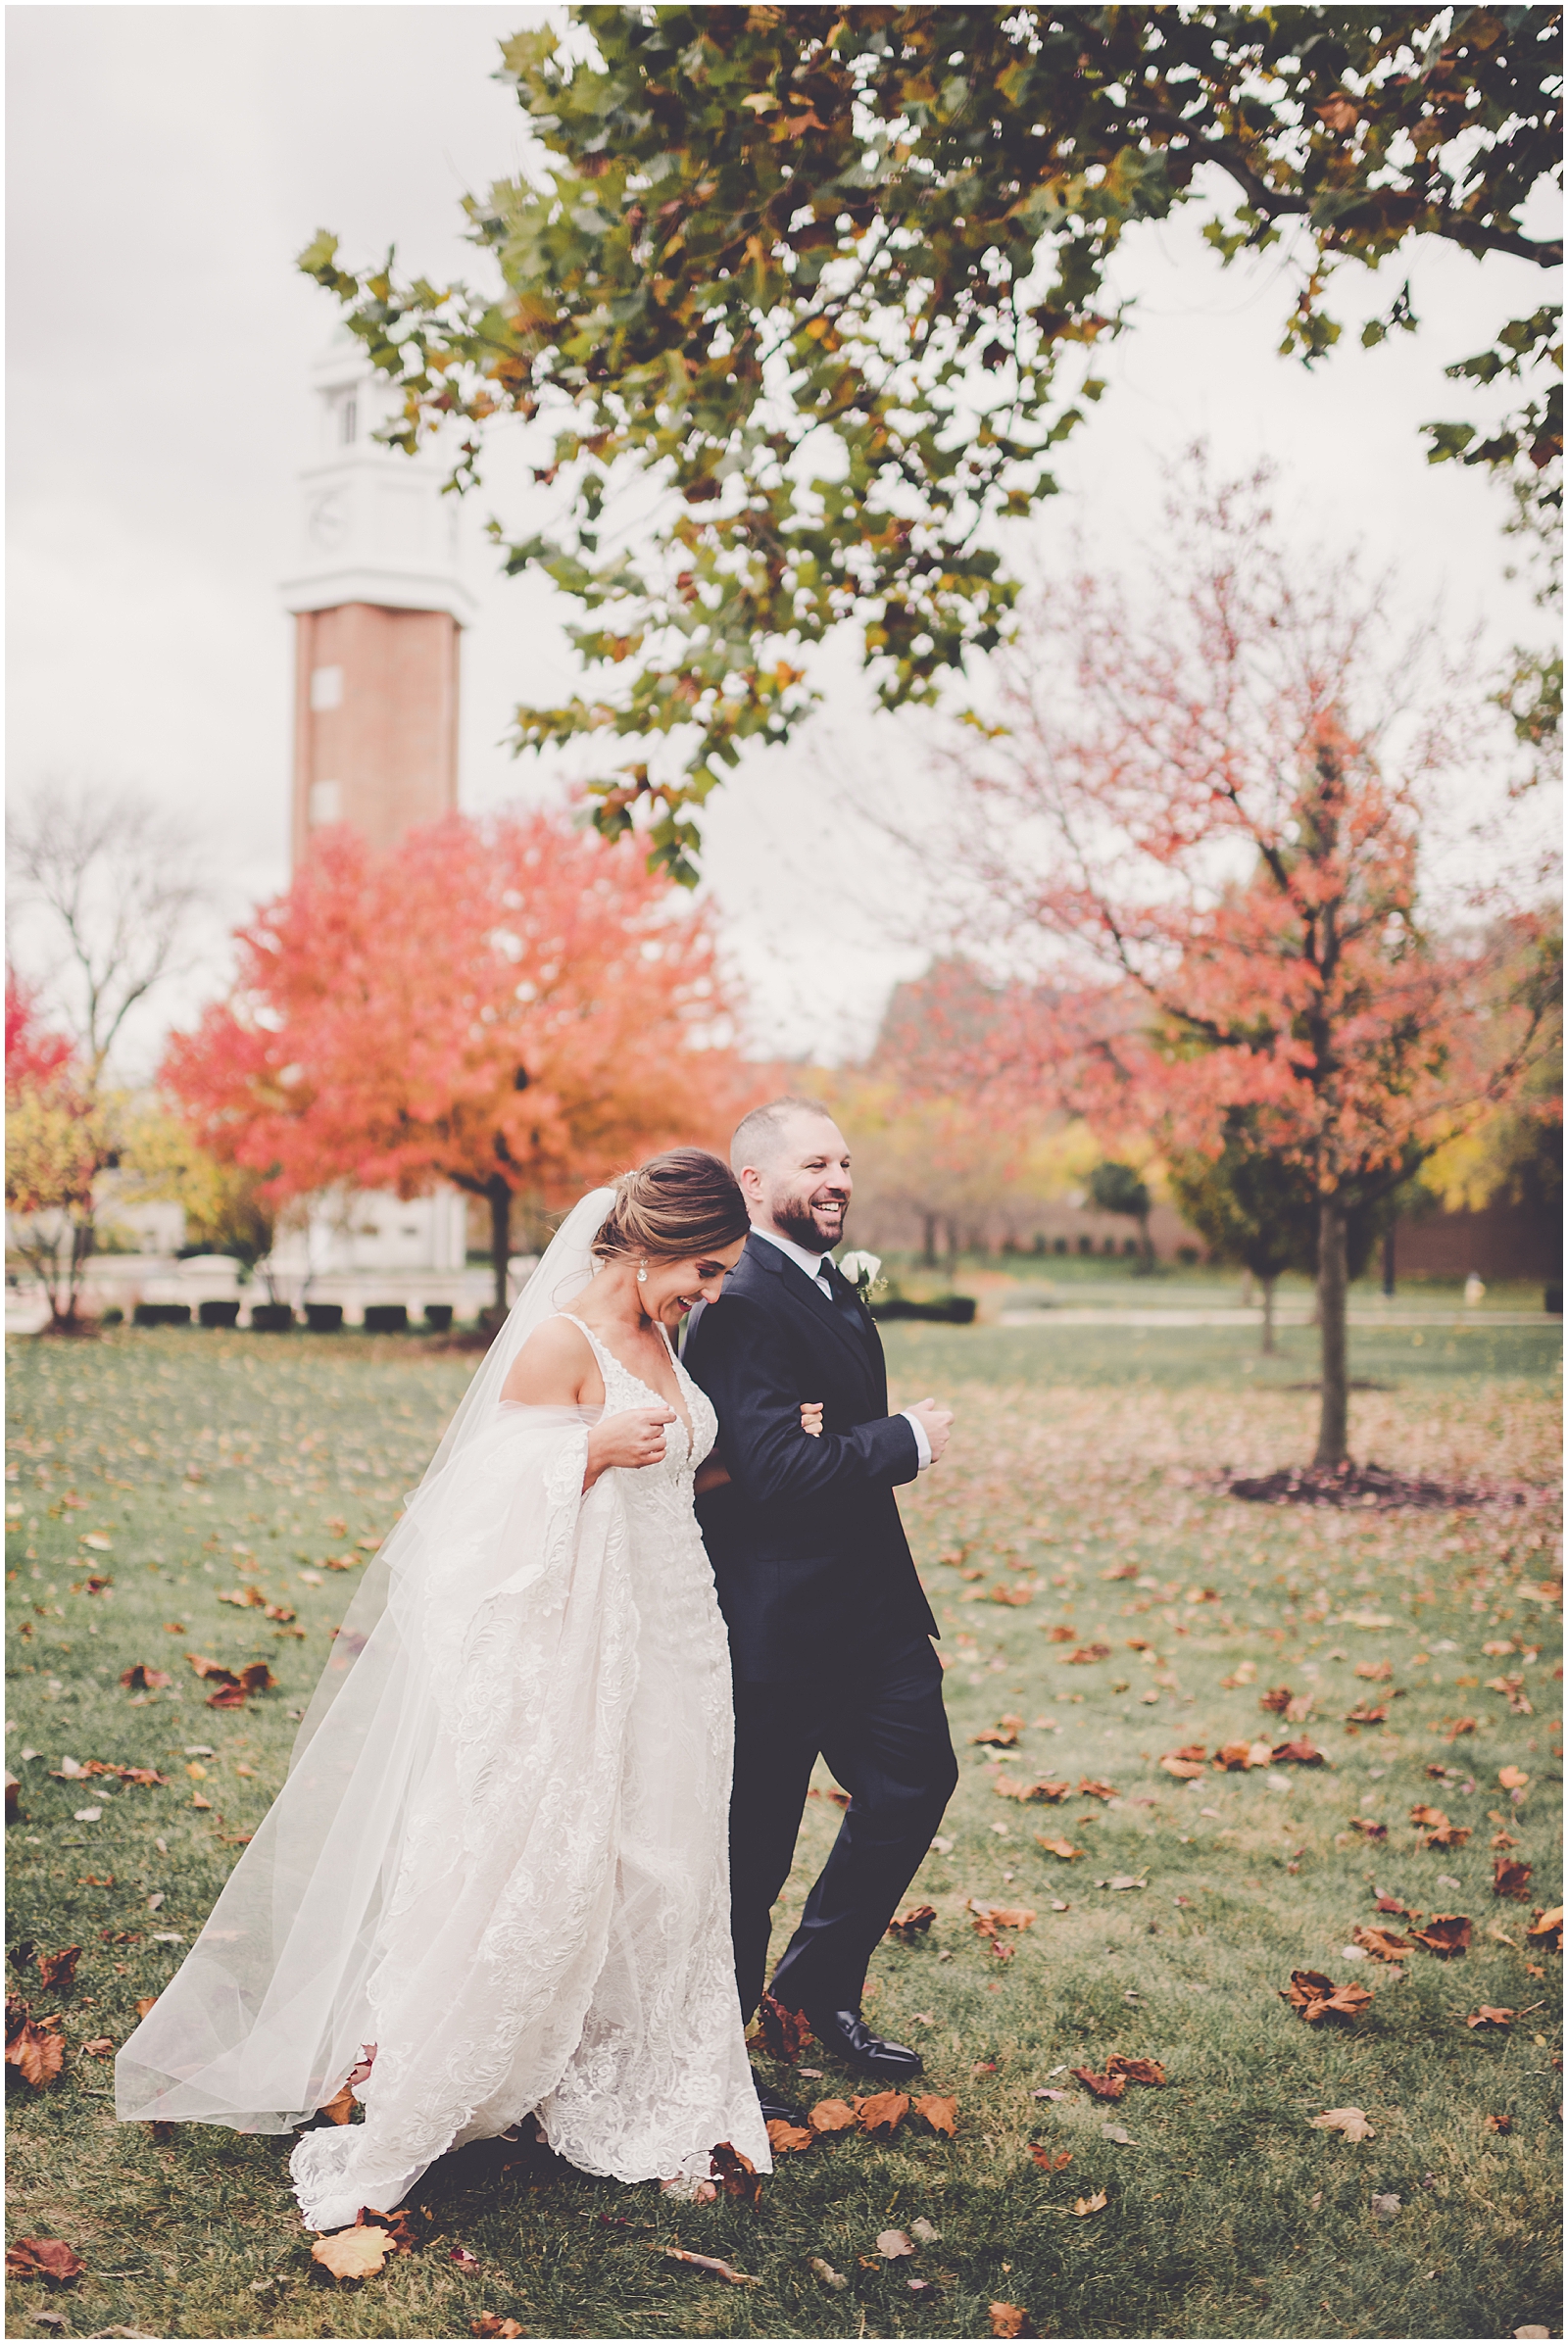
x: 1489, y: 2016
x: 1351, y: 2122
x: 1444, y: 1934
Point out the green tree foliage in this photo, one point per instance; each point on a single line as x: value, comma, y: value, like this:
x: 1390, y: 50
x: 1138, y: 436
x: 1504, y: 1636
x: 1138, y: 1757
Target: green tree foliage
x: 822, y: 290
x: 1115, y: 1187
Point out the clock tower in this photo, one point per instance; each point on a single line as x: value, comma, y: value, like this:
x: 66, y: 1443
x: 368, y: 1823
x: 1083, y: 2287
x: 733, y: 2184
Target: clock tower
x: 378, y: 607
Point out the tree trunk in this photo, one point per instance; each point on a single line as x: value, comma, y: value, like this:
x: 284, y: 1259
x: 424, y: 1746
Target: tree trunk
x: 1334, y: 1419
x: 1145, y: 1245
x: 1268, y: 1285
x: 500, y: 1195
x: 1387, y: 1260
x: 952, y: 1248
x: 929, y: 1257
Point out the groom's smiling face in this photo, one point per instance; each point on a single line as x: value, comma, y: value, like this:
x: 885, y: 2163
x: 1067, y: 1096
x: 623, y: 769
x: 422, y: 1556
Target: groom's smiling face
x: 804, y: 1190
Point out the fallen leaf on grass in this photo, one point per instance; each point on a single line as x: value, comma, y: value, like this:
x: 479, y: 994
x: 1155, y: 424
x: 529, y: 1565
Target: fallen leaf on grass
x: 1368, y: 1828
x: 99, y: 2046
x: 1008, y: 2319
x: 1064, y: 1848
x: 1090, y: 2205
x: 1487, y: 2016
x: 1276, y: 1699
x: 247, y: 1598
x: 491, y: 2323
x: 1105, y: 2087
x: 926, y: 2232
x: 463, y: 2260
x: 1513, y: 1778
x: 1440, y: 1832
x: 1036, y: 1795
x: 1444, y: 1934
x: 140, y: 1678
x: 709, y: 2262
x: 1298, y: 1753
x: 1366, y: 1715
x: 826, y: 2273
x: 1137, y: 2071
x: 59, y: 1969
x: 1545, y: 1930
x: 1050, y: 2161
x: 1088, y: 1789
x: 36, y: 2053
x: 1509, y: 1878
x: 1380, y: 1943
x: 341, y: 2106
x: 940, y: 2112
x: 913, y: 1924
x: 1351, y: 2122
x: 1118, y: 2133
x: 988, y: 1919
x: 1499, y: 2123
x: 882, y: 2112
x: 398, y: 2226
x: 737, y: 2177
x: 786, y: 2139
x: 1386, y: 2202
x: 1121, y: 1879
x: 831, y: 2116
x: 43, y: 2258
x: 355, y: 2253
x: 891, y: 2244
x: 784, y: 2031
x: 1314, y: 1997
x: 145, y: 2003
x: 1374, y: 1672
x: 1185, y: 1763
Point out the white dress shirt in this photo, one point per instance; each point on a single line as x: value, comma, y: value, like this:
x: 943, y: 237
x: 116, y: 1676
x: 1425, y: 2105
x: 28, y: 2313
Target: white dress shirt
x: 815, y: 1265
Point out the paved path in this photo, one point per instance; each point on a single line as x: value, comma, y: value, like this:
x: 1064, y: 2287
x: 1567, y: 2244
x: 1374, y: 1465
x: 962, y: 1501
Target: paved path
x: 1471, y: 1321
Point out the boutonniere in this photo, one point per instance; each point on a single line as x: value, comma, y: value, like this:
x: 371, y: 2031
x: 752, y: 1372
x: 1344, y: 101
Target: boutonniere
x: 864, y: 1273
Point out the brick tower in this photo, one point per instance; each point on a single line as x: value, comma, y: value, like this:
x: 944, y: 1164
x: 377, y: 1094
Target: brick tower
x: 378, y: 609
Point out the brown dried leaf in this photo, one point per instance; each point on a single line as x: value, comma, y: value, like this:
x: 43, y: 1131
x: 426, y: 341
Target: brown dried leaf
x: 1048, y: 1795
x: 709, y: 2263
x: 139, y: 1678
x: 737, y: 2177
x: 1184, y: 1770
x: 1315, y: 1997
x: 1086, y: 1655
x: 1351, y: 2122
x: 398, y: 2226
x: 1374, y: 1672
x: 1235, y: 1757
x: 1513, y: 1778
x: 882, y: 2112
x: 1368, y: 1828
x: 1380, y: 1943
x: 99, y: 2046
x: 1090, y: 2205
x: 826, y: 2273
x: 1499, y: 2123
x: 913, y: 1924
x: 257, y: 1678
x: 1088, y: 1789
x: 341, y: 2106
x: 491, y: 2323
x: 56, y: 1970
x: 1444, y: 1934
x: 1008, y: 2319
x: 355, y: 2253
x: 1366, y: 1715
x: 1489, y: 2016
x: 941, y: 2113
x: 831, y: 2116
x: 1137, y: 2071
x: 1064, y: 1848
x: 1276, y: 1699
x: 784, y: 2031
x: 998, y: 1737
x: 36, y: 2053
x: 1050, y: 2160
x: 1298, y: 1709
x: 1298, y: 1753
x: 1104, y: 2088
x: 212, y: 1670
x: 145, y: 2003
x: 1545, y: 1930
x: 1510, y: 1878
x: 43, y: 2258
x: 786, y: 2139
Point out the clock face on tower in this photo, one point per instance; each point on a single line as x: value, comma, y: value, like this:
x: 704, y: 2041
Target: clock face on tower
x: 328, y: 520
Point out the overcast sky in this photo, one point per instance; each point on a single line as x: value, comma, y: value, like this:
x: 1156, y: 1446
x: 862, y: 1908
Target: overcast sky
x: 166, y: 164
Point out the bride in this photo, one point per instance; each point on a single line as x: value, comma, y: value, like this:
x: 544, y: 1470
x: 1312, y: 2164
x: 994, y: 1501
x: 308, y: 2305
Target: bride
x: 496, y: 1880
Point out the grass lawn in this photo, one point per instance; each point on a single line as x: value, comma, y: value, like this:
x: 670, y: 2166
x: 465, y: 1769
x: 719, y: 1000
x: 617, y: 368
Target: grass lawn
x: 200, y: 1463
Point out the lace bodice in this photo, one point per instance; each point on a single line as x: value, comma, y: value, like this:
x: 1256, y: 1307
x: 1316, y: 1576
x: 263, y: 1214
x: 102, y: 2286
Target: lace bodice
x: 623, y: 1389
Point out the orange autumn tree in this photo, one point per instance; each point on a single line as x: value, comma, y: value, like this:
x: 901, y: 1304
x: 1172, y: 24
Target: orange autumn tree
x: 1205, y: 824
x: 507, y: 1004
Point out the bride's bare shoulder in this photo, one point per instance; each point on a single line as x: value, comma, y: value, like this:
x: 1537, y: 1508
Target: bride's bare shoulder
x: 555, y: 1368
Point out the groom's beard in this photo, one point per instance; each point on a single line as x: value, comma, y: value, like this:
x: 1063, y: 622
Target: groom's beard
x: 798, y: 1222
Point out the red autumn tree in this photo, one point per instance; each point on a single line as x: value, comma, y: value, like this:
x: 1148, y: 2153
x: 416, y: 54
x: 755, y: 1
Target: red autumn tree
x: 34, y: 1053
x: 507, y: 1005
x: 1204, y: 823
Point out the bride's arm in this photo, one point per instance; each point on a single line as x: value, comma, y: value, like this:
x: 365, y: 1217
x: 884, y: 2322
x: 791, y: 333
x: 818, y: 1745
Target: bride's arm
x: 555, y: 1368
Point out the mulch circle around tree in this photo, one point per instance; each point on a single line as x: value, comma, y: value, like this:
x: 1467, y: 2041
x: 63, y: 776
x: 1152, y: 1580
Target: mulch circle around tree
x: 1369, y: 1486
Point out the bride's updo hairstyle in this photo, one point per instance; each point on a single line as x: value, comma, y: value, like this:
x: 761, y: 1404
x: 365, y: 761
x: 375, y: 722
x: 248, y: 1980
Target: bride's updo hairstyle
x: 677, y: 1204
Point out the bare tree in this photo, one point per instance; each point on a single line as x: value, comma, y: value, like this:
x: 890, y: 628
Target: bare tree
x: 117, y: 885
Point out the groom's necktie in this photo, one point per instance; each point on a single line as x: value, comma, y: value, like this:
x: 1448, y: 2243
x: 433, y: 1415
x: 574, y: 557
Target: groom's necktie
x: 840, y: 1292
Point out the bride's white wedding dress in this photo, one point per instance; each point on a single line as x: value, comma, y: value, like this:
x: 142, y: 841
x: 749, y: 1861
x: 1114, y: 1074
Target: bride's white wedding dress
x: 500, y: 1856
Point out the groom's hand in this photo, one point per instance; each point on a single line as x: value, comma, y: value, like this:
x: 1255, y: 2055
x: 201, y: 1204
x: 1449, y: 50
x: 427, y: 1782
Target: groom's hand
x: 937, y: 1423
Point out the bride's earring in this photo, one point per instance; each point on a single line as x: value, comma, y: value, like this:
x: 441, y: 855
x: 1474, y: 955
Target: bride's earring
x: 642, y: 1273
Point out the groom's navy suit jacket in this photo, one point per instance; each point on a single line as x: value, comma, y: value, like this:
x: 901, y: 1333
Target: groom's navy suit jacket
x: 810, y: 1557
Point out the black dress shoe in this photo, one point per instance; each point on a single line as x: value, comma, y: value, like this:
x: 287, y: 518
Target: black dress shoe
x: 844, y: 2035
x: 774, y: 2110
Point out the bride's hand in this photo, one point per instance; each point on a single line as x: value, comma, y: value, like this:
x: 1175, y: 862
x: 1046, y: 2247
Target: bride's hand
x: 633, y: 1439
x: 812, y: 1418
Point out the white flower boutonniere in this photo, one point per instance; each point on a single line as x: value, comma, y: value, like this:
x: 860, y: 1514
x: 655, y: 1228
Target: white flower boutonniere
x: 864, y: 1273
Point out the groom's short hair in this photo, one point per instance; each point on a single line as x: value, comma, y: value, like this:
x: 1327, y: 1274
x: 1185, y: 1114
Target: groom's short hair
x: 759, y: 1134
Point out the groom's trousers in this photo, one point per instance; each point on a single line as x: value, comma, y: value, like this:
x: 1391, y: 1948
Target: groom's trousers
x: 883, y: 1731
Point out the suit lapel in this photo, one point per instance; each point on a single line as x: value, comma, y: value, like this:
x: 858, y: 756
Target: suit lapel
x: 808, y: 1296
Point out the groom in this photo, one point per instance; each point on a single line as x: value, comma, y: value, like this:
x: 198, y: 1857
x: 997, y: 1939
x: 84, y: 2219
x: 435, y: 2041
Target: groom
x: 830, y: 1633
